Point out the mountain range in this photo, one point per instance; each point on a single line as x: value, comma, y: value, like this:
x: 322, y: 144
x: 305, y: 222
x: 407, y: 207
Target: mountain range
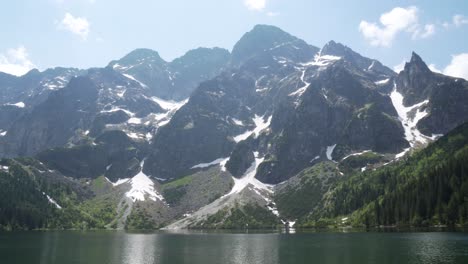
x: 276, y: 132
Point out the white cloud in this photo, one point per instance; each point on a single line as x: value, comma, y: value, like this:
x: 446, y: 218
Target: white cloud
x: 397, y: 20
x: 458, y: 67
x: 428, y: 31
x: 434, y: 68
x: 399, y: 67
x: 256, y: 5
x: 16, y: 61
x: 459, y: 20
x: 76, y: 25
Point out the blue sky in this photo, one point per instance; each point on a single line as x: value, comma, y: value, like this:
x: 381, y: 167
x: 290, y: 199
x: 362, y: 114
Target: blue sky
x: 90, y: 33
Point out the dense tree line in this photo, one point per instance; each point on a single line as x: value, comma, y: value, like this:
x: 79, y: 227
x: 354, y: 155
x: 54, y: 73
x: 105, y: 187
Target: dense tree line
x: 428, y: 188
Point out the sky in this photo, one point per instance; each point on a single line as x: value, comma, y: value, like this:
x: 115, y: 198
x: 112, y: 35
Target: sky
x: 90, y: 33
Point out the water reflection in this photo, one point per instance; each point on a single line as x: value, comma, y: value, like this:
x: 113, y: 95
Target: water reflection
x: 188, y: 247
x: 240, y: 248
x: 433, y: 248
x: 140, y: 249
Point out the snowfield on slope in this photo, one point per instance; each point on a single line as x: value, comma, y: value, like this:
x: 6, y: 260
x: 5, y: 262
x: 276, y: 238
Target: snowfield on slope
x: 142, y: 187
x: 409, y: 122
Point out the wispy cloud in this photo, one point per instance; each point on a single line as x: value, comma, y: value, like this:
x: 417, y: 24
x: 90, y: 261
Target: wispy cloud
x: 457, y: 21
x: 16, y: 61
x: 76, y: 25
x: 392, y: 23
x: 255, y: 5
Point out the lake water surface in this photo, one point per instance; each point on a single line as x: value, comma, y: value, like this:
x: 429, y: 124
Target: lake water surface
x: 200, y: 247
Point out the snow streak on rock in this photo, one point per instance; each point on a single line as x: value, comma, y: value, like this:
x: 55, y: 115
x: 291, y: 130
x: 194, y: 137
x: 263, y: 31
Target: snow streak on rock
x: 52, y: 201
x: 260, y: 125
x: 208, y: 164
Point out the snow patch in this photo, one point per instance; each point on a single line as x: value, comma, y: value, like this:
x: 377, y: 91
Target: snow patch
x: 322, y: 60
x: 142, y: 187
x: 356, y: 154
x: 412, y: 134
x: 260, y: 125
x: 401, y: 154
x: 118, y: 182
x: 208, y: 164
x: 134, y: 79
x: 237, y: 122
x: 52, y: 201
x: 168, y: 105
x: 19, y: 104
x: 115, y: 109
x: 134, y: 120
x: 330, y: 151
x: 249, y: 179
x: 314, y: 159
x: 301, y: 90
x: 135, y: 135
x: 382, y: 82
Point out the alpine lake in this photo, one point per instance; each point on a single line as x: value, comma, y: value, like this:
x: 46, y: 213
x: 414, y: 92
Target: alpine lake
x: 266, y: 247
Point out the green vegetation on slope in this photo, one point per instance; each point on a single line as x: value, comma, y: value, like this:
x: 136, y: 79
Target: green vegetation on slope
x: 303, y: 192
x: 240, y: 217
x: 428, y: 188
x: 24, y: 203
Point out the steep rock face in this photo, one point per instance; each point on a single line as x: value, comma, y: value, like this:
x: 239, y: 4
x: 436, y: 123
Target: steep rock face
x: 99, y: 101
x: 444, y: 97
x: 240, y: 159
x: 172, y: 80
x: 416, y: 81
x: 19, y: 94
x: 225, y: 110
x: 194, y: 67
x: 325, y: 114
x: 113, y: 155
x: 201, y: 131
x: 34, y: 87
x: 369, y: 65
x: 447, y: 106
x: 53, y: 122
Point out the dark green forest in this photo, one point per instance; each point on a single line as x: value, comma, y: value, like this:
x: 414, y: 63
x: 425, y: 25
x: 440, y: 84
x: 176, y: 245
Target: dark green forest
x: 428, y: 188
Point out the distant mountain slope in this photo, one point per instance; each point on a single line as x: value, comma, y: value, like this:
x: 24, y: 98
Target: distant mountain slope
x: 172, y: 80
x: 225, y: 139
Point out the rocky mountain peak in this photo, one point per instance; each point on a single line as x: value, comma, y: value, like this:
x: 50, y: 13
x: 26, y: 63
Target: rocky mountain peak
x: 140, y: 55
x: 416, y: 65
x: 334, y: 48
x: 259, y: 39
x: 339, y: 50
